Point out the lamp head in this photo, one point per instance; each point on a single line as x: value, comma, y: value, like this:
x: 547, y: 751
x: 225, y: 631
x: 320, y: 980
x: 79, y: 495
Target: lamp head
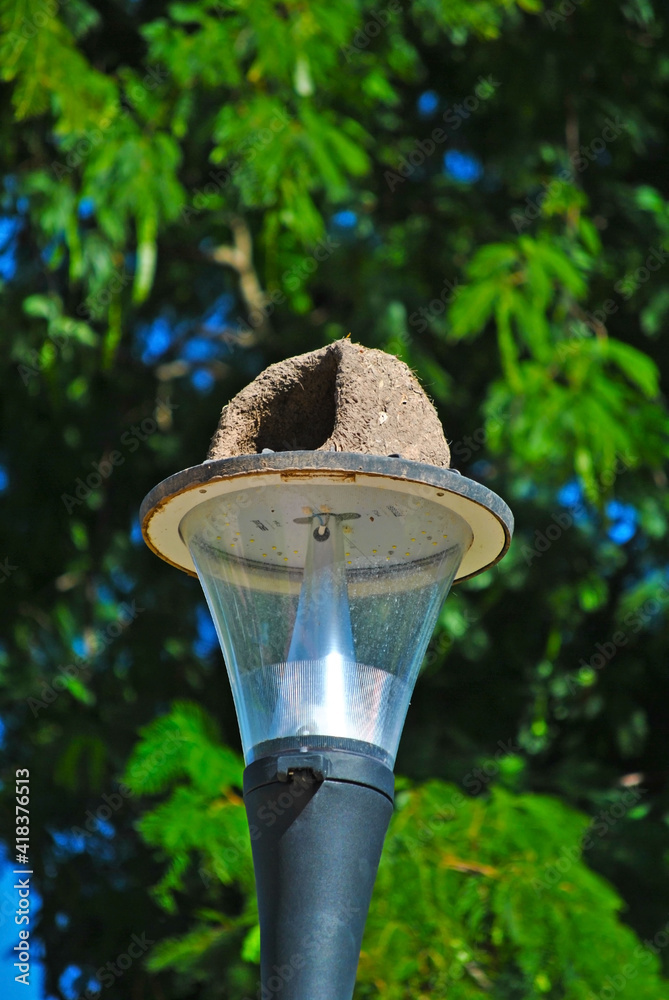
x: 324, y: 573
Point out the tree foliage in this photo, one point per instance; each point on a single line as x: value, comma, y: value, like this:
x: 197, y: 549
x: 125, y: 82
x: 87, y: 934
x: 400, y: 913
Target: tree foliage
x: 194, y: 190
x: 473, y: 894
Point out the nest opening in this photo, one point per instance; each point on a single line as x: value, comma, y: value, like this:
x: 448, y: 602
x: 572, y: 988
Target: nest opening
x: 301, y: 415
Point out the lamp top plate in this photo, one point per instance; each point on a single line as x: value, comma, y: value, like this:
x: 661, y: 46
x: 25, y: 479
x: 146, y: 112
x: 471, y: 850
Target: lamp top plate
x: 165, y: 506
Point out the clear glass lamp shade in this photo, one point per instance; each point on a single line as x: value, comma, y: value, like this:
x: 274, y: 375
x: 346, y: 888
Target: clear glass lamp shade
x: 324, y: 598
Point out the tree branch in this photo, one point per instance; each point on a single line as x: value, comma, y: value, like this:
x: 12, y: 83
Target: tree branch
x: 239, y: 257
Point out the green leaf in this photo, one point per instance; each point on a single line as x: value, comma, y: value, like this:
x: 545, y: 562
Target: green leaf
x: 637, y: 366
x: 491, y: 259
x: 473, y: 307
x: 649, y: 199
x: 45, y: 306
x: 147, y: 228
x: 589, y: 235
x: 251, y: 946
x: 507, y: 347
x: 557, y: 262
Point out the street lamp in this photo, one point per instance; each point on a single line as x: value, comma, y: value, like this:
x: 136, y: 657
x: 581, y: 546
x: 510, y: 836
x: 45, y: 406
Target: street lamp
x: 324, y: 573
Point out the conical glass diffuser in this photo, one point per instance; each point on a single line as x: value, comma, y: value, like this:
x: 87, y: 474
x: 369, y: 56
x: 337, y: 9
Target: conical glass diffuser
x: 324, y: 598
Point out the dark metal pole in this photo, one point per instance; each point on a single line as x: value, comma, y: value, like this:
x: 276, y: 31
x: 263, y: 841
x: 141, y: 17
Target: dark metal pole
x: 317, y: 820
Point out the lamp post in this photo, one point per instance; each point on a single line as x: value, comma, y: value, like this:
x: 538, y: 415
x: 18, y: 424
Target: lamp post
x: 324, y: 573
